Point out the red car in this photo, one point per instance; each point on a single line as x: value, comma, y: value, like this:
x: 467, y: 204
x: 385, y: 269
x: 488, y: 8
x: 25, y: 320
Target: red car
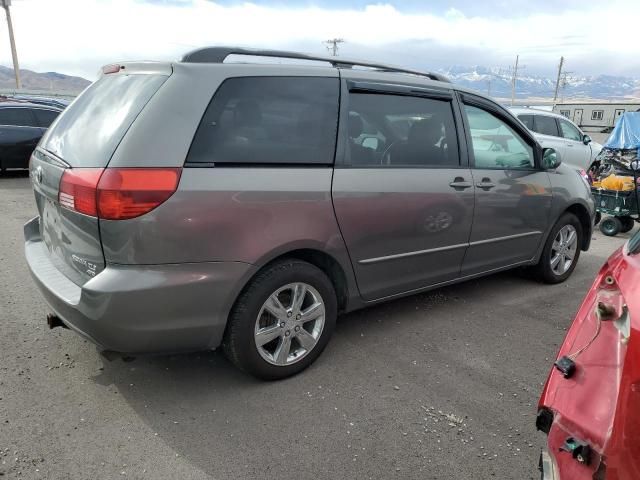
x: 590, y: 405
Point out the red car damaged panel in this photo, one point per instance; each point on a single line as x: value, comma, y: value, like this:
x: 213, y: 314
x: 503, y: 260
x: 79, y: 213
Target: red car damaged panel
x: 600, y: 404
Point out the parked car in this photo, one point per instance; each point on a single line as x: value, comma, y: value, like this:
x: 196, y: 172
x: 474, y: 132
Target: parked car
x: 22, y: 125
x: 561, y: 134
x: 589, y: 405
x: 253, y: 210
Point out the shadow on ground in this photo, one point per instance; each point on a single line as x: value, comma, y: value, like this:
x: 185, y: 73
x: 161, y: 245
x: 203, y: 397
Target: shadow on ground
x: 362, y: 405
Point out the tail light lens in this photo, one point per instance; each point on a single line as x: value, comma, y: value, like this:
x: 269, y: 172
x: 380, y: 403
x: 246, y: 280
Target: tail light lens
x: 117, y: 193
x: 130, y: 192
x: 77, y: 190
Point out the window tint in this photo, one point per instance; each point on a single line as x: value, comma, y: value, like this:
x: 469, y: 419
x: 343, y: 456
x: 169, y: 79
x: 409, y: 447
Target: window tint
x: 45, y: 117
x: 496, y: 144
x: 527, y: 120
x: 546, y: 125
x: 16, y: 116
x: 269, y: 120
x: 400, y: 131
x: 569, y: 131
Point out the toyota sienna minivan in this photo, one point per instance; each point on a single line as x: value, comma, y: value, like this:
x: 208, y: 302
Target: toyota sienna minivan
x: 197, y: 204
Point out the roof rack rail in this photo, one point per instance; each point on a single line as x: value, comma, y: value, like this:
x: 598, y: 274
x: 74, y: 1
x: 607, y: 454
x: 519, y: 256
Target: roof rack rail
x: 219, y: 54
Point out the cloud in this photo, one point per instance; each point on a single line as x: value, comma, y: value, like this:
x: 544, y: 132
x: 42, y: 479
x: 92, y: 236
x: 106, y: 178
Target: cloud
x: 82, y: 35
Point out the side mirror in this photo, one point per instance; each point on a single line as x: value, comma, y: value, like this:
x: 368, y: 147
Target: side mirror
x: 550, y: 159
x: 586, y: 139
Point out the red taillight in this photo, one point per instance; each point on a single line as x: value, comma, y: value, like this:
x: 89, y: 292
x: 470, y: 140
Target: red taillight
x: 117, y: 193
x: 78, y: 188
x: 130, y: 192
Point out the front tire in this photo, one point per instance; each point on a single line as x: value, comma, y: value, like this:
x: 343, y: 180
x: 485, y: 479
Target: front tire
x: 282, y: 321
x: 561, y: 251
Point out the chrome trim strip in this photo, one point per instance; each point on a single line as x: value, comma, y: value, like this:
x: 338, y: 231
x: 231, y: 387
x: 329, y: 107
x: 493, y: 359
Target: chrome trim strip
x: 368, y: 261
x: 500, y: 239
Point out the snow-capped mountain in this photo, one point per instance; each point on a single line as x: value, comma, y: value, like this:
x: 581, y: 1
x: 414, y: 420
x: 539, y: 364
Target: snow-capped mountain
x: 498, y: 83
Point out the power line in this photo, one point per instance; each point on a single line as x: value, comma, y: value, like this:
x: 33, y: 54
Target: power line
x: 332, y: 45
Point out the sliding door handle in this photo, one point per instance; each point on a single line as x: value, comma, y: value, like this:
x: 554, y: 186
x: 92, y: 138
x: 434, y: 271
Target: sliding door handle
x: 486, y: 184
x: 460, y: 183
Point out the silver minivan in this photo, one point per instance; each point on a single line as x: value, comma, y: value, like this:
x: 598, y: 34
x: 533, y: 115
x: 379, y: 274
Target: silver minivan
x: 196, y: 204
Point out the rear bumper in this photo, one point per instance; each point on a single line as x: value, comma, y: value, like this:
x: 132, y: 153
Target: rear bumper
x: 137, y: 309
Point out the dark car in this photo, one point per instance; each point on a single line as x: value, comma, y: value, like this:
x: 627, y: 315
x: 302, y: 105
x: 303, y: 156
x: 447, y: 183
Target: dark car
x: 21, y: 127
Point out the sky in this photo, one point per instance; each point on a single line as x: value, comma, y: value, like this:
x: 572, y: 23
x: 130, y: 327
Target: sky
x: 77, y: 37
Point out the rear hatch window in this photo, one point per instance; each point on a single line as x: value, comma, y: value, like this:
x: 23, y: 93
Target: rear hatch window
x: 91, y: 128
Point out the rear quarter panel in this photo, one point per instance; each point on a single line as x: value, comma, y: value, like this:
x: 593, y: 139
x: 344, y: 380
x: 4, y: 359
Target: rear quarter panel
x: 249, y: 215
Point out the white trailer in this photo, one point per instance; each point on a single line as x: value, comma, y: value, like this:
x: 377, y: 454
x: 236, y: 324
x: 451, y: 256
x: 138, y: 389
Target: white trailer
x: 595, y: 116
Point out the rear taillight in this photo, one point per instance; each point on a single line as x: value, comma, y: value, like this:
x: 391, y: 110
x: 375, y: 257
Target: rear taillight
x: 117, y: 193
x: 130, y: 192
x: 77, y: 190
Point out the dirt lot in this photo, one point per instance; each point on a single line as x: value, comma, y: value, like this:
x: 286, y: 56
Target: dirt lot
x: 441, y: 385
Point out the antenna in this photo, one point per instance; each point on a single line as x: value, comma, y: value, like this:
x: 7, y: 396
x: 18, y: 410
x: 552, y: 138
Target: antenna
x: 332, y: 45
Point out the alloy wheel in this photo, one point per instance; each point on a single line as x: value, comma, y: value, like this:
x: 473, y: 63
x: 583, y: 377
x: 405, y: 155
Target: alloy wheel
x: 289, y: 324
x: 563, y: 249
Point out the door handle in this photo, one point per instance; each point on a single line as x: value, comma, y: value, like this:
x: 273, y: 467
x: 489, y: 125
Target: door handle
x: 570, y: 145
x: 486, y: 184
x: 460, y: 183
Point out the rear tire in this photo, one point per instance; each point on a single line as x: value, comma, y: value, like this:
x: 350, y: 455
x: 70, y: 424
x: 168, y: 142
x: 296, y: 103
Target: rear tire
x: 561, y: 251
x: 627, y: 224
x: 267, y: 335
x: 611, y: 226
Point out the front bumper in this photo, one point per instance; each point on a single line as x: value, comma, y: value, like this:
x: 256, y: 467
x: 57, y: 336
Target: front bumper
x: 137, y: 309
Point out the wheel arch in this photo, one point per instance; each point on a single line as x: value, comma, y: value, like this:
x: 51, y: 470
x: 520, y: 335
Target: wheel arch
x: 584, y: 217
x: 329, y: 264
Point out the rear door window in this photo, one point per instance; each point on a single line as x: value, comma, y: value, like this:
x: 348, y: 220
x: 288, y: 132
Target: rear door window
x: 45, y: 117
x: 89, y: 130
x: 545, y: 125
x: 527, y: 120
x: 401, y: 131
x: 18, y: 117
x: 269, y: 120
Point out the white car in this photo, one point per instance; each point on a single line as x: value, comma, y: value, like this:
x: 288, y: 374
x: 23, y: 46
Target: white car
x: 556, y: 131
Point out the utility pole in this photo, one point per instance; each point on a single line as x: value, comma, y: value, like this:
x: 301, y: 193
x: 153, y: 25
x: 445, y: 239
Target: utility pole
x: 6, y: 4
x: 555, y: 95
x: 513, y: 80
x: 332, y: 45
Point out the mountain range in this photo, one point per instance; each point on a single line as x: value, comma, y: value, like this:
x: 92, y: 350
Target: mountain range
x: 495, y: 81
x: 498, y: 83
x: 53, y: 81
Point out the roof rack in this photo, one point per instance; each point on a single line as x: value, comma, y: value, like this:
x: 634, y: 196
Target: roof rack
x: 219, y: 54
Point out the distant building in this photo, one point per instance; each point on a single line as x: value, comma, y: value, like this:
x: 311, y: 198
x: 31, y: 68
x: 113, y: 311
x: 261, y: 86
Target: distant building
x: 594, y: 116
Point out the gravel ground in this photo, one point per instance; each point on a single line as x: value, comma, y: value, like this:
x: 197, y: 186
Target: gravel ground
x: 441, y: 385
